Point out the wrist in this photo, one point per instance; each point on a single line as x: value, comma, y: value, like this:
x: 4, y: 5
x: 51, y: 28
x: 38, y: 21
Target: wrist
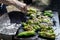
x: 13, y: 2
x: 20, y: 4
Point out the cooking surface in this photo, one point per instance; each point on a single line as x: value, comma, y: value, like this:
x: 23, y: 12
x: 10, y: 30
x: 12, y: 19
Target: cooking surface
x: 56, y: 30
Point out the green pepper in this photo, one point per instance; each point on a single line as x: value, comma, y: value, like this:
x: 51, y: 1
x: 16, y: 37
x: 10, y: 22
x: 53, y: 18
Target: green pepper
x: 49, y: 28
x: 47, y: 34
x: 39, y: 13
x: 26, y: 34
x: 48, y: 13
x: 42, y: 34
x: 25, y: 24
x: 32, y: 10
x: 36, y: 27
x: 28, y: 28
x: 46, y: 20
x: 33, y: 15
x: 50, y: 35
x: 30, y: 21
x: 51, y: 31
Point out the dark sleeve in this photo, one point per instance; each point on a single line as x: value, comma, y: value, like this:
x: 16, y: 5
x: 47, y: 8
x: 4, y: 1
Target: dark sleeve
x: 3, y: 9
x: 27, y: 1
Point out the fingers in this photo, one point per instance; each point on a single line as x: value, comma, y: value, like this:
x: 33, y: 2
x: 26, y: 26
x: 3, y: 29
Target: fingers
x: 24, y: 9
x: 21, y: 6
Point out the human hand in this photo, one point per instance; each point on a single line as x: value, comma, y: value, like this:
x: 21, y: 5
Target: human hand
x: 20, y: 5
x: 16, y: 3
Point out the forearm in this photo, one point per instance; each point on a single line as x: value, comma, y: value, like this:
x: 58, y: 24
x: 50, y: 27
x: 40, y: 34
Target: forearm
x: 7, y: 2
x: 20, y: 5
x: 12, y: 2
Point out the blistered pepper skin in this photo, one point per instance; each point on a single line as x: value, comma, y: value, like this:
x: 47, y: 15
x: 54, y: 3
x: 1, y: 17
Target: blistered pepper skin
x: 26, y: 34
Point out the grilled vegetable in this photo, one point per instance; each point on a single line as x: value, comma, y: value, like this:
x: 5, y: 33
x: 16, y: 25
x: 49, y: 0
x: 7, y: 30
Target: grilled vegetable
x: 30, y: 21
x: 48, y: 13
x: 33, y: 15
x: 47, y: 35
x: 38, y: 14
x: 45, y: 19
x: 26, y: 34
x: 32, y: 10
x: 25, y: 24
x: 43, y: 25
x: 36, y: 27
x: 46, y: 30
x: 29, y: 28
